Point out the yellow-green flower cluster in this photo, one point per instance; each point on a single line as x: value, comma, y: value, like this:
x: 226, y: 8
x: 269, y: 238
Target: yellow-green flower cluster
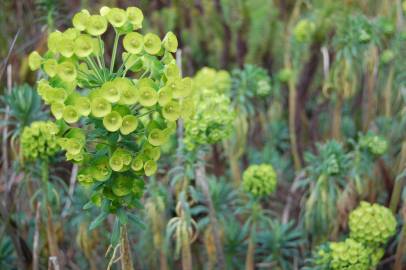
x: 259, y: 180
x: 375, y: 144
x: 38, y: 141
x: 213, y: 118
x: 304, y: 30
x: 350, y: 255
x: 371, y: 224
x: 125, y: 110
x: 216, y: 81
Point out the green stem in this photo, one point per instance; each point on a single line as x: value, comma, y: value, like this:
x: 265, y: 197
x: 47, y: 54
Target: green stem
x: 99, y: 62
x: 113, y: 56
x: 148, y: 112
x: 400, y: 250
x: 250, y: 258
x: 120, y: 69
x: 396, y: 192
x: 91, y: 63
x: 144, y: 74
x: 101, y: 51
x: 44, y: 179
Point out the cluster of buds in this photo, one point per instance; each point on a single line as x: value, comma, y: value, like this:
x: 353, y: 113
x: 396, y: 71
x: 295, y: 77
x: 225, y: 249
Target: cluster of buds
x: 39, y: 141
x: 213, y: 119
x: 375, y: 144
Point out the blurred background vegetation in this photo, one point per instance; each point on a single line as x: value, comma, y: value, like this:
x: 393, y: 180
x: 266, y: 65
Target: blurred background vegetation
x: 311, y: 81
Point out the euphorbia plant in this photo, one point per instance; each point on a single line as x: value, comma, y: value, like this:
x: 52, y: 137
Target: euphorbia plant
x: 370, y: 226
x: 39, y: 143
x: 113, y: 118
x: 258, y: 181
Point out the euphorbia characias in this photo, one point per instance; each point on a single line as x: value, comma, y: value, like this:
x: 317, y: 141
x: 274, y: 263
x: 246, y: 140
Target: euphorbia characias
x: 113, y: 118
x: 214, y: 117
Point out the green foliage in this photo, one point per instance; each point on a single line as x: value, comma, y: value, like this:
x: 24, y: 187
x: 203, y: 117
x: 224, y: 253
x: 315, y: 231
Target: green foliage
x: 279, y: 243
x: 7, y: 257
x: 325, y: 179
x: 25, y: 107
x: 249, y: 84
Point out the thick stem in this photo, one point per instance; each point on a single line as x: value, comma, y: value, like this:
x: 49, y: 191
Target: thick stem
x: 126, y: 259
x: 186, y: 252
x: 292, y: 125
x: 250, y: 258
x: 400, y: 250
x: 336, y: 125
x: 51, y: 235
x: 292, y: 87
x: 162, y: 260
x: 35, y: 263
x: 235, y: 170
x: 388, y: 92
x: 202, y: 182
x: 370, y: 100
x: 397, y: 190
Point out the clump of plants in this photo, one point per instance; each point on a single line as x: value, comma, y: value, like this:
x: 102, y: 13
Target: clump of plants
x: 250, y: 82
x: 113, y: 118
x: 326, y: 178
x: 371, y: 226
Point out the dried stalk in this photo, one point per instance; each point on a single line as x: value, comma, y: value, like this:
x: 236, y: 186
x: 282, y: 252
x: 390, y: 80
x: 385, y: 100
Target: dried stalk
x: 250, y: 259
x: 4, y: 143
x: 186, y: 251
x: 388, y: 92
x: 370, y: 103
x: 202, y: 182
x: 35, y: 263
x: 397, y: 190
x: 53, y: 263
x: 72, y: 183
x: 126, y: 259
x: 50, y: 229
x: 400, y: 251
x: 292, y: 88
